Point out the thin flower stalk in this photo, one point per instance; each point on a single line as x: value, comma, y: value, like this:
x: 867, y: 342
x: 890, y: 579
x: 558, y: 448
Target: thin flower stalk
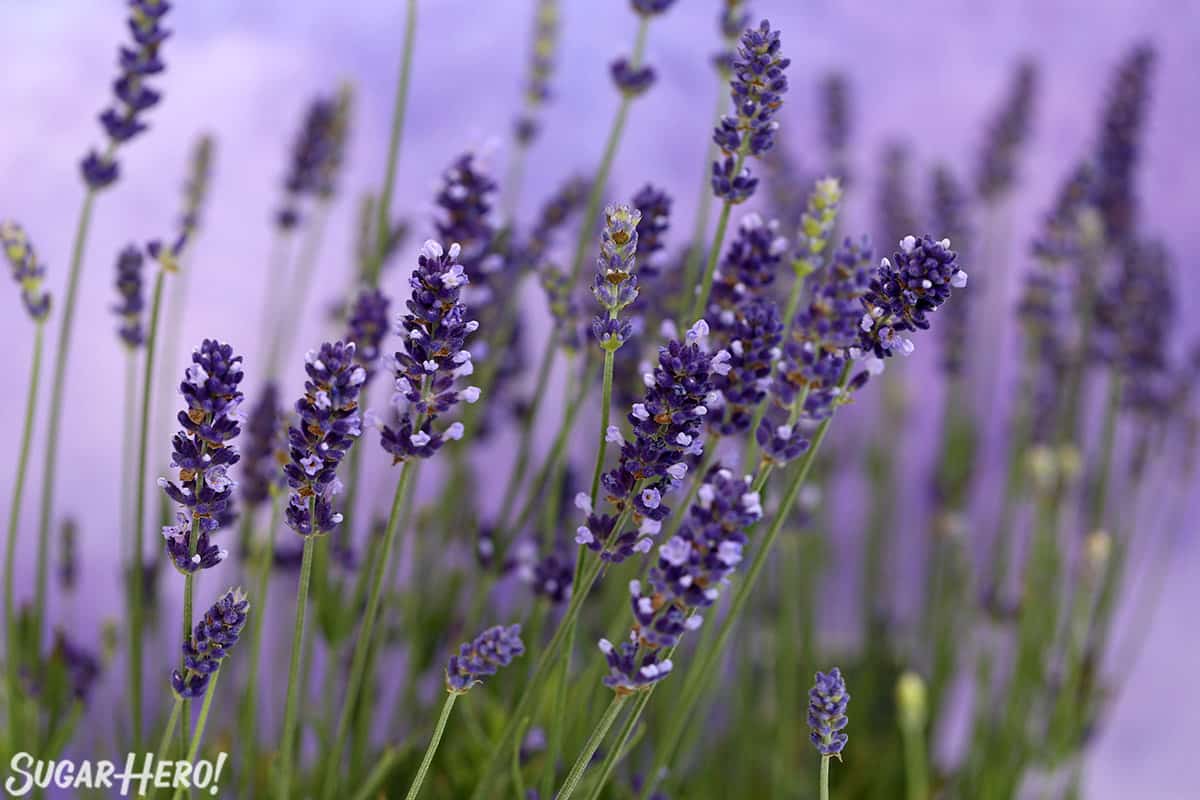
x: 591, y: 746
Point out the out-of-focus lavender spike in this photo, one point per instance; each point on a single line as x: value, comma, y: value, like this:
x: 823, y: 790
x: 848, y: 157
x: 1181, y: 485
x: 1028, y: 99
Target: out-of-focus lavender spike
x: 749, y: 268
x: 195, y: 190
x: 68, y: 555
x: 312, y: 148
x: 366, y: 327
x: 543, y: 55
x: 949, y: 212
x: 434, y: 357
x: 558, y: 209
x: 27, y: 271
x: 1119, y: 148
x: 124, y: 119
x: 261, y: 461
x: 465, y: 203
x: 733, y: 18
x: 687, y: 577
x: 133, y: 302
x: 757, y: 88
x: 835, y: 123
x: 496, y: 647
x: 1006, y: 133
x: 202, y: 454
x: 896, y: 209
x: 753, y: 345
x: 329, y: 423
x: 655, y: 207
x: 80, y: 665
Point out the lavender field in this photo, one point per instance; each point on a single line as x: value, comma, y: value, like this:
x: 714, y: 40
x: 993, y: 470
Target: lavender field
x: 529, y: 398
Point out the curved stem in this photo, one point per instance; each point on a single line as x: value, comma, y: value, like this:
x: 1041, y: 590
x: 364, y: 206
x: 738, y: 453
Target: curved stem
x: 55, y: 415
x: 139, y: 515
x: 431, y: 750
x: 291, y: 713
x: 14, y: 518
x: 383, y: 222
x: 589, y: 749
x: 198, y: 734
x: 362, y: 647
x: 606, y: 161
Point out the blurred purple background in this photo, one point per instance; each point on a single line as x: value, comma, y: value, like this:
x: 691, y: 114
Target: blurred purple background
x: 930, y: 71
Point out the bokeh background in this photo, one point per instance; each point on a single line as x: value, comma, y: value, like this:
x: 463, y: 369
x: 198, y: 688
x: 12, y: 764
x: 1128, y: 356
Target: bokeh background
x: 927, y: 71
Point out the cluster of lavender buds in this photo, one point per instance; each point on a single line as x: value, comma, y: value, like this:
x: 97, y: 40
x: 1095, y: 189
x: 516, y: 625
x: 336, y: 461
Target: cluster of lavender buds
x: 212, y: 639
x: 903, y: 293
x: 748, y: 269
x: 465, y: 216
x: 203, y: 455
x: 949, y: 212
x: 564, y: 306
x: 195, y: 190
x: 81, y: 667
x: 753, y: 345
x: 757, y: 89
x: 328, y: 424
x: 553, y: 575
x: 733, y: 18
x: 816, y: 353
x: 655, y: 207
x: 827, y: 703
x: 1058, y: 238
x: 688, y: 576
x: 632, y: 81
x: 1120, y: 141
x: 835, y: 120
x: 816, y: 226
x: 260, y: 469
x: 123, y: 120
x: 366, y: 327
x: 315, y: 143
x: 133, y: 304
x: 558, y: 209
x: 1006, y: 133
x: 435, y: 330
x: 541, y: 69
x: 494, y: 648
x: 616, y: 283
x: 27, y: 271
x: 667, y: 429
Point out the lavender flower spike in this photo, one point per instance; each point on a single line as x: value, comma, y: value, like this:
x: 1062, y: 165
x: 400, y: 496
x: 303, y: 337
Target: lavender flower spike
x: 615, y: 286
x: 123, y: 120
x: 27, y: 271
x: 427, y: 371
x: 650, y: 8
x: 328, y: 425
x: 366, y: 327
x: 133, y: 302
x: 213, y: 637
x: 202, y: 454
x: 827, y: 702
x: 260, y: 470
x: 494, y: 648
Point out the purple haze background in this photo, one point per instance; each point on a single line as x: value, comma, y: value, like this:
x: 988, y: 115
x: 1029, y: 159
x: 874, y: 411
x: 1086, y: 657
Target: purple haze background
x: 930, y: 71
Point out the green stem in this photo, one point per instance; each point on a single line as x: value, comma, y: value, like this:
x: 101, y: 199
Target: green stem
x: 789, y: 316
x: 714, y: 253
x: 363, y: 645
x: 139, y: 515
x: 916, y: 779
x: 825, y: 777
x: 704, y: 207
x: 290, y: 716
x: 370, y: 788
x: 198, y: 734
x: 383, y: 222
x: 431, y: 751
x: 590, y: 748
x: 54, y: 417
x: 257, y: 624
x: 606, y: 161
x: 164, y: 742
x: 10, y: 546
x: 129, y: 400
x: 605, y: 408
x: 525, y: 447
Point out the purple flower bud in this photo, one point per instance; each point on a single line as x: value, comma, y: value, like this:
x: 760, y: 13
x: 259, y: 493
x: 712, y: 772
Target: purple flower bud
x: 494, y: 648
x: 133, y: 303
x: 827, y: 702
x: 27, y: 271
x: 213, y: 637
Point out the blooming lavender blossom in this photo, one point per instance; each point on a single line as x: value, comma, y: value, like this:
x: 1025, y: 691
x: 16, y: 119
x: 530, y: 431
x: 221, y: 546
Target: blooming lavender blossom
x: 903, y: 293
x: 366, y: 327
x: 1119, y: 147
x: 27, y: 271
x: 123, y: 121
x: 541, y: 69
x: 428, y: 369
x: 260, y: 468
x: 328, y: 425
x: 616, y: 283
x: 753, y: 346
x: 465, y: 203
x: 212, y: 639
x: 667, y: 429
x: 133, y: 303
x: 494, y: 648
x: 827, y: 702
x: 949, y: 207
x: 313, y: 146
x: 688, y: 576
x: 757, y: 89
x: 1005, y: 135
x: 749, y: 268
x: 203, y: 455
